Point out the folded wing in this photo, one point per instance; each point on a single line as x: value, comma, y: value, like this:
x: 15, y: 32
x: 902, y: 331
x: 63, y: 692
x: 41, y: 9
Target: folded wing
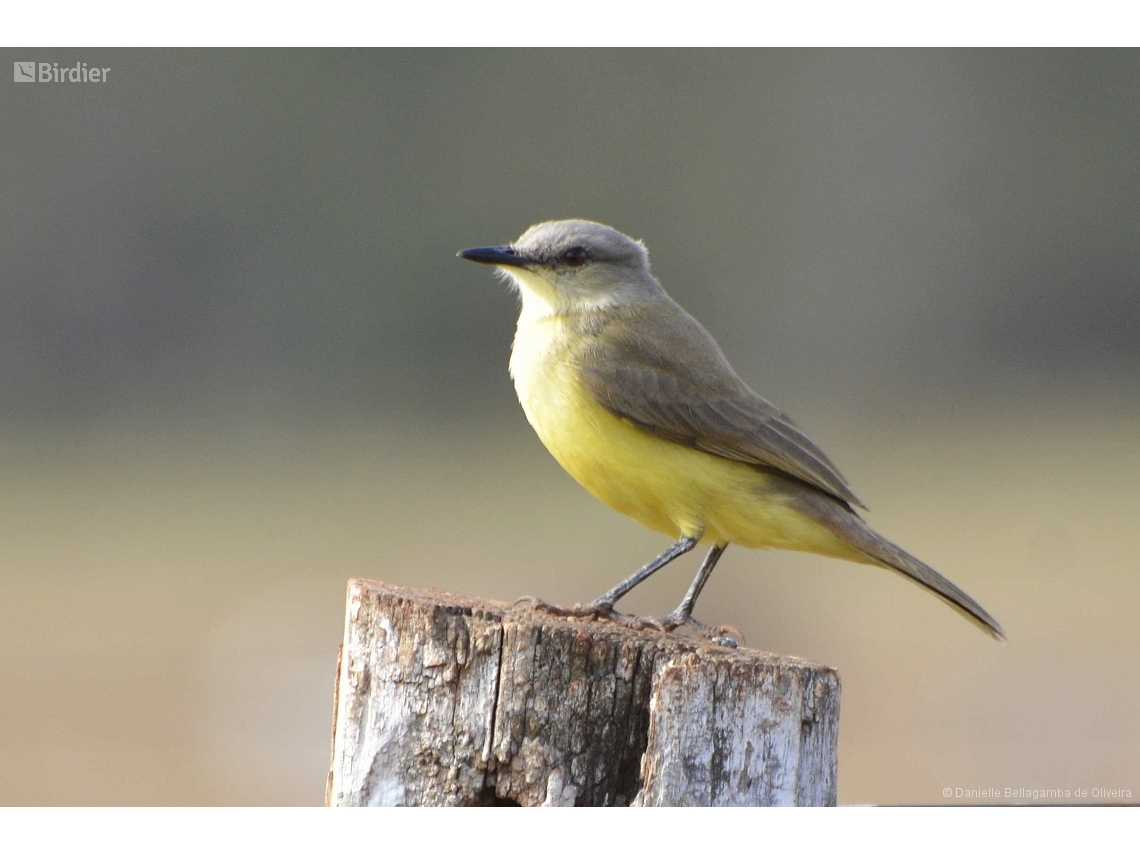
x: 677, y: 384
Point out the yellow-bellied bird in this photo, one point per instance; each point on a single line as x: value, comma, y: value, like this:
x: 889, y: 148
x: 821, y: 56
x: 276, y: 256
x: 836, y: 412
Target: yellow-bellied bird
x: 638, y: 403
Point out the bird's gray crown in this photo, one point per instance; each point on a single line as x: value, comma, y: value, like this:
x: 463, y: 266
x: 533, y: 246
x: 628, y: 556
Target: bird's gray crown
x: 572, y: 266
x: 559, y: 242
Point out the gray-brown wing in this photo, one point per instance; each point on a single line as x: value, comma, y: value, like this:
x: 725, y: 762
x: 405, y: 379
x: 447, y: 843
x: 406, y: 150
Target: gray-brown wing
x: 676, y: 384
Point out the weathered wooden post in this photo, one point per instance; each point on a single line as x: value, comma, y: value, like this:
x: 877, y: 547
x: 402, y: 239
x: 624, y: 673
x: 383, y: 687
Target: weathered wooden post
x: 446, y: 700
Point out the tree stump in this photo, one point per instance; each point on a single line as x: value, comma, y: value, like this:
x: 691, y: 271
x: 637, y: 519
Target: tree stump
x: 448, y: 700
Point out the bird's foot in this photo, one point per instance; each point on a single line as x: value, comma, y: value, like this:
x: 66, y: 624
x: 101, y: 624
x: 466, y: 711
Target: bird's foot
x: 725, y: 636
x: 668, y: 623
x: 594, y: 610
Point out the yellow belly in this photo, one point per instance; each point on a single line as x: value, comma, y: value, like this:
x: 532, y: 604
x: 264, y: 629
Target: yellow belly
x: 667, y: 487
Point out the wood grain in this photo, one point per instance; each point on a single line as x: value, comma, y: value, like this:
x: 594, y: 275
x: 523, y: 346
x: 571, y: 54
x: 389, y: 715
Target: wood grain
x: 448, y: 700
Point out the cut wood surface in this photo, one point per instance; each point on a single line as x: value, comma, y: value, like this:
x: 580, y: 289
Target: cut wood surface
x: 448, y: 700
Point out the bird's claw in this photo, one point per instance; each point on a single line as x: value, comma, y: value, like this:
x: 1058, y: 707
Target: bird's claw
x: 639, y: 622
x: 664, y: 623
x: 725, y: 636
x: 594, y: 610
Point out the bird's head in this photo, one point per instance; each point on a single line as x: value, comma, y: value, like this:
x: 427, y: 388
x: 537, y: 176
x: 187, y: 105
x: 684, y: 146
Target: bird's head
x: 564, y: 266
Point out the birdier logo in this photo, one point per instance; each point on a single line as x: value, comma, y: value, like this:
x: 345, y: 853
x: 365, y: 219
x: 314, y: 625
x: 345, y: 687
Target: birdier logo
x: 52, y: 72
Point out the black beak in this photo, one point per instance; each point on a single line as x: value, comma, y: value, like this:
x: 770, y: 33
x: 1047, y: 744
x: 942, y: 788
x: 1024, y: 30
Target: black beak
x: 503, y: 255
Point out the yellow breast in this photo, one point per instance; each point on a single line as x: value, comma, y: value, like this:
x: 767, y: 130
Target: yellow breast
x: 665, y: 486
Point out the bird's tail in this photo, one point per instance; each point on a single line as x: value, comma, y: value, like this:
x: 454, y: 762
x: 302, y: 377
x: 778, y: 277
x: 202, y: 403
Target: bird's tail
x: 873, y: 548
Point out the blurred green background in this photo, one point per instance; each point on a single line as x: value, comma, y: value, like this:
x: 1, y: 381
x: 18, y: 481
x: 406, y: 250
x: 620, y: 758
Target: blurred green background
x: 239, y: 364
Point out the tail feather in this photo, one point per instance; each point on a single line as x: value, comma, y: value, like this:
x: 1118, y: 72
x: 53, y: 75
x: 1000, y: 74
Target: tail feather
x: 886, y: 554
x: 850, y: 528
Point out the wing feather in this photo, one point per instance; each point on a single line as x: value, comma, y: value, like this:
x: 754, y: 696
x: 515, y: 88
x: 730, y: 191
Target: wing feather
x: 676, y: 384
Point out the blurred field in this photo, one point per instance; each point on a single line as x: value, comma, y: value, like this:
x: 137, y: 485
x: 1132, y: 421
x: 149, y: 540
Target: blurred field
x: 240, y: 363
x: 171, y: 605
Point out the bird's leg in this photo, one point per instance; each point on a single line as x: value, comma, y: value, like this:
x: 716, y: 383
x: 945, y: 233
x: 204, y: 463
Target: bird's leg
x: 683, y: 614
x: 603, y: 606
x: 606, y: 601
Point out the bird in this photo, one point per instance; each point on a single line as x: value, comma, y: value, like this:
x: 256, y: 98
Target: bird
x: 638, y: 403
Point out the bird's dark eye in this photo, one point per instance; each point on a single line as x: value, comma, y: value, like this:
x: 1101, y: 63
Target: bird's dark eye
x: 575, y: 256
